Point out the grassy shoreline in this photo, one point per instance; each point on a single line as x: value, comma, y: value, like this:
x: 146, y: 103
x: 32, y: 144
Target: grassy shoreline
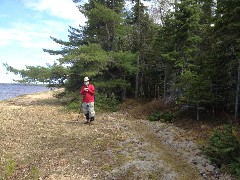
x: 40, y: 140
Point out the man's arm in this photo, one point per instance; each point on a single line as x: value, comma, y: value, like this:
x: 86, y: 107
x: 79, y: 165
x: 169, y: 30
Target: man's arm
x: 91, y: 89
x: 82, y: 91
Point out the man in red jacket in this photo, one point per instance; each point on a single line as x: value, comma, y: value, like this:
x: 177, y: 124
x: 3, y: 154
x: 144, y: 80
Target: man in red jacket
x: 87, y: 91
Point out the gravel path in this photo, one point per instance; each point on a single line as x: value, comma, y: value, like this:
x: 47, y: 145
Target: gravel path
x: 175, y: 138
x: 40, y: 140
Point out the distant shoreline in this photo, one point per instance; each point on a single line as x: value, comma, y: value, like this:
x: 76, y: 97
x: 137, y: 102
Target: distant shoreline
x: 27, y: 84
x: 12, y: 90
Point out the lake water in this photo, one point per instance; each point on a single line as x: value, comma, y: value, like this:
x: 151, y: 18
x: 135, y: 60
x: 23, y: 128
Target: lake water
x: 8, y: 91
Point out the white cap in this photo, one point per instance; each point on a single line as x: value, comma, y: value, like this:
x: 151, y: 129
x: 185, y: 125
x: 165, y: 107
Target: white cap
x: 86, y: 79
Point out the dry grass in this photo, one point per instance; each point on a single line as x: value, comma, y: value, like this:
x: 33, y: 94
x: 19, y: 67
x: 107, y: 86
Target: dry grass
x: 199, y: 131
x: 142, y: 109
x: 39, y: 140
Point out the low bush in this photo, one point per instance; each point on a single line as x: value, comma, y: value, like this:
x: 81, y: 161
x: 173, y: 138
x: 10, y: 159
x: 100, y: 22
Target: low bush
x: 162, y: 116
x: 73, y: 101
x: 106, y: 104
x: 234, y: 168
x: 223, y: 149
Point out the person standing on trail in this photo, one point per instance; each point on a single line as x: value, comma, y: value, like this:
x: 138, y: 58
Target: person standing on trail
x: 87, y: 91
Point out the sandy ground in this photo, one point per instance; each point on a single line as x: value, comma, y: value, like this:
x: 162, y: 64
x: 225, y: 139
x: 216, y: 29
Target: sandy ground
x: 40, y: 140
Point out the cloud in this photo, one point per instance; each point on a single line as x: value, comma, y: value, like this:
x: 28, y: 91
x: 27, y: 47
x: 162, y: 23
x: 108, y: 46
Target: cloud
x: 23, y: 37
x: 59, y: 8
x: 31, y: 35
x: 36, y: 33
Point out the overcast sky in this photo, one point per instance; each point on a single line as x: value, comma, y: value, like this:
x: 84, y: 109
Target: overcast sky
x: 26, y: 27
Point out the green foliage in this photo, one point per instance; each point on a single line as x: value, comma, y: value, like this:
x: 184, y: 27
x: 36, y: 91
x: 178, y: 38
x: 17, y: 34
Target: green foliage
x: 54, y: 74
x: 192, y: 55
x: 162, y: 116
x: 223, y: 147
x: 71, y: 100
x: 34, y: 173
x: 197, y: 89
x: 107, y: 86
x: 87, y: 60
x: 155, y: 117
x: 103, y: 23
x: 125, y: 61
x: 74, y: 106
x: 234, y: 168
x: 10, y: 168
x: 103, y: 102
x: 226, y: 34
x: 7, y: 167
x: 106, y: 103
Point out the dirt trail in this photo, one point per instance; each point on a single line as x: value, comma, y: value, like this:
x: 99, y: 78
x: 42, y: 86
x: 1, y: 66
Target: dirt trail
x: 39, y: 140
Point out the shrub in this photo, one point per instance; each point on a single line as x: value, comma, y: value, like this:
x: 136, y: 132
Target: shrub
x: 168, y: 116
x: 223, y: 146
x: 73, y: 101
x: 104, y: 103
x: 162, y: 116
x: 74, y: 106
x: 155, y: 117
x: 235, y: 168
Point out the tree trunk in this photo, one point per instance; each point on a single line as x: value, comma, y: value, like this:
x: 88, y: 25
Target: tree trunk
x: 165, y: 83
x: 137, y: 79
x: 198, y: 111
x: 237, y: 96
x: 138, y: 58
x: 124, y: 90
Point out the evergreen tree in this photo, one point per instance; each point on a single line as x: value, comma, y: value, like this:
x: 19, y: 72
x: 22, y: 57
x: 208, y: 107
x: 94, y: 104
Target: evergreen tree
x: 142, y: 36
x: 183, y: 32
x: 227, y: 39
x: 96, y: 49
x: 106, y: 27
x: 54, y: 75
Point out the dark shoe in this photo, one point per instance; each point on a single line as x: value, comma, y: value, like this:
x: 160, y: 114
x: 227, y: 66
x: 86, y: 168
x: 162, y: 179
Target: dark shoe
x: 92, y: 119
x: 87, y: 116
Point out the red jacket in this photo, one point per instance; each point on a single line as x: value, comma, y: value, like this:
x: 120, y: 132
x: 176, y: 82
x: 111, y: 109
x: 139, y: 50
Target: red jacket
x: 88, y: 96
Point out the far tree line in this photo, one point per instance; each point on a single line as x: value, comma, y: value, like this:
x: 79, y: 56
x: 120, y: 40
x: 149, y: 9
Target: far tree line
x: 184, y: 51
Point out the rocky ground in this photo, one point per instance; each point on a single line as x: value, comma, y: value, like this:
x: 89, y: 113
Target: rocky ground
x: 41, y: 140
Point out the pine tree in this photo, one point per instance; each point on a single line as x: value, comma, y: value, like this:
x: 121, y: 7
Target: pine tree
x: 142, y: 36
x: 227, y: 39
x: 183, y: 30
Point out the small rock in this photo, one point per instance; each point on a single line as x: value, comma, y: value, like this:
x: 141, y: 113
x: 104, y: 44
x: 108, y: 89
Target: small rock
x: 85, y: 161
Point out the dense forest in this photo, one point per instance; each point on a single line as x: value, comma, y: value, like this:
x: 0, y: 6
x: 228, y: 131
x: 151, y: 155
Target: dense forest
x: 182, y: 51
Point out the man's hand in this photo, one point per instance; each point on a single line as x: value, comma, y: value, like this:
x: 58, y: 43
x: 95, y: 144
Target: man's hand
x: 85, y: 89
